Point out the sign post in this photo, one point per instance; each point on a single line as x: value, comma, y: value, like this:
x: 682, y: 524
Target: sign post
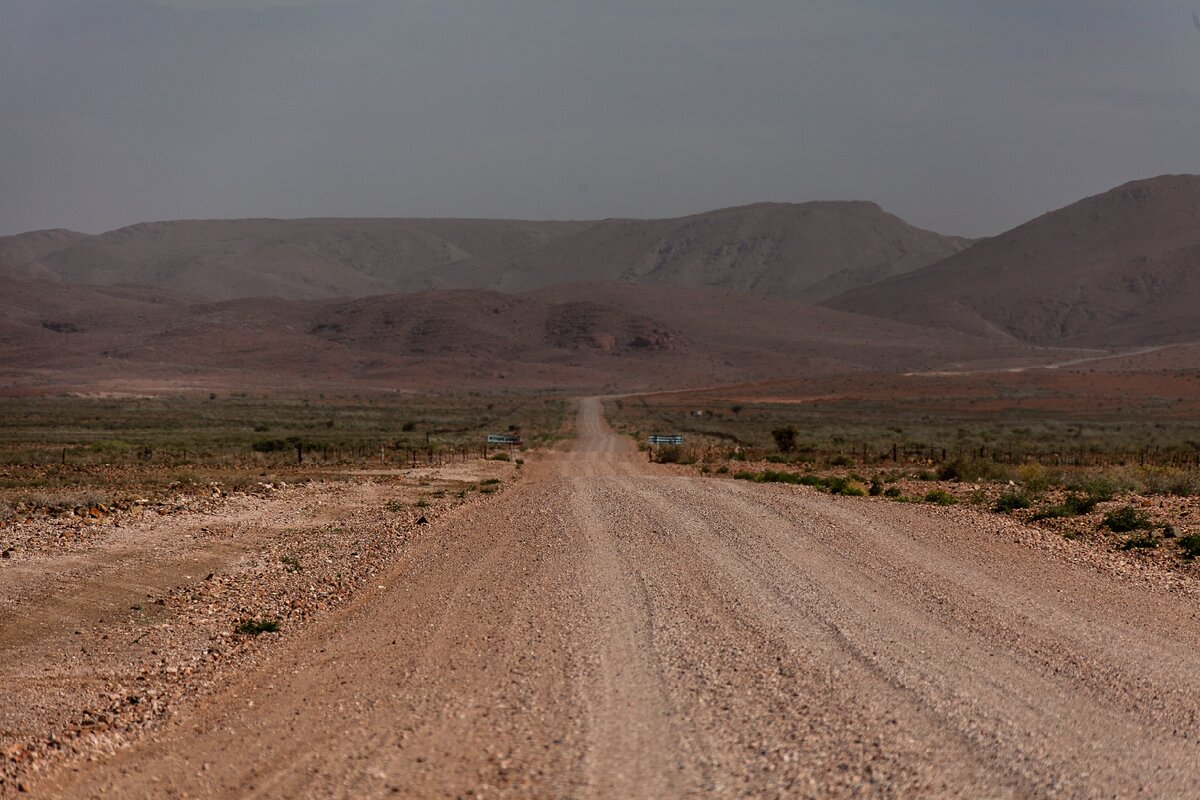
x: 503, y: 438
x: 656, y: 439
x: 510, y: 440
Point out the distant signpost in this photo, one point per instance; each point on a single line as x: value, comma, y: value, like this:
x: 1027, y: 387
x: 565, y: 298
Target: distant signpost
x: 503, y: 438
x: 671, y: 439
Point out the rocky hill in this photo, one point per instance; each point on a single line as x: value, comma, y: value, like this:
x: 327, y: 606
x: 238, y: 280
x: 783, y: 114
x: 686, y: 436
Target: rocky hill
x: 1119, y: 269
x: 807, y: 251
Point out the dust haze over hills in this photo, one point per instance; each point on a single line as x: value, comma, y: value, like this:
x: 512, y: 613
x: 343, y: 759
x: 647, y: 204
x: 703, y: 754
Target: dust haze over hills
x: 616, y: 304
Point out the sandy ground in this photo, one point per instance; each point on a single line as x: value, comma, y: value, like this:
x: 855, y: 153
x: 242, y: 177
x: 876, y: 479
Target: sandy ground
x: 609, y: 628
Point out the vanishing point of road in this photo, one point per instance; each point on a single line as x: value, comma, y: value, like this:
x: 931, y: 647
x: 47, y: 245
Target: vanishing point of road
x: 613, y: 629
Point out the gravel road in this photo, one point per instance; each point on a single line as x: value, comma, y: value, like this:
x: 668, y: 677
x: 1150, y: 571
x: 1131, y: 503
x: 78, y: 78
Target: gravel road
x: 613, y: 629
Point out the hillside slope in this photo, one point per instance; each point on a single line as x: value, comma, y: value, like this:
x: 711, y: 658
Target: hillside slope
x: 294, y: 259
x: 1119, y: 269
x: 593, y: 337
x: 809, y: 251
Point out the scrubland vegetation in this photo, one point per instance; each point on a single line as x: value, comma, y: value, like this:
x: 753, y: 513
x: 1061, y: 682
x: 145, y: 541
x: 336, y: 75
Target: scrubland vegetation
x: 61, y: 453
x: 1129, y: 483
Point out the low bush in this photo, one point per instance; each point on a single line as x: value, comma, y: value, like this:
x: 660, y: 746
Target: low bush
x: 1190, y: 545
x: 1073, y: 506
x: 941, y: 498
x: 1177, y: 482
x: 1053, y: 512
x: 253, y: 627
x: 1146, y: 541
x: 971, y: 470
x: 1097, y: 487
x: 1034, y: 478
x: 893, y: 492
x: 1127, y: 519
x: 501, y: 456
x: 846, y: 488
x: 1080, y: 504
x: 833, y: 485
x: 785, y: 438
x: 673, y: 454
x: 1012, y: 501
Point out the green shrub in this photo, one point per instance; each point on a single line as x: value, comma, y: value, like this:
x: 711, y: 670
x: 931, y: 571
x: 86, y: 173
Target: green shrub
x: 1073, y: 506
x: 834, y: 485
x: 1190, y: 545
x: 501, y: 456
x: 1083, y: 504
x: 892, y: 491
x: 1142, y: 541
x: 941, y: 498
x: 1053, y: 512
x: 1096, y: 487
x: 1012, y: 501
x: 722, y: 470
x: 846, y: 488
x: 253, y: 627
x: 972, y: 470
x: 1127, y: 519
x: 785, y: 438
x: 1034, y: 478
x: 1179, y: 483
x: 876, y: 487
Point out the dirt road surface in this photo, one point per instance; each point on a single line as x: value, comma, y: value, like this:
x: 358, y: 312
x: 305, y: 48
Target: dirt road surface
x: 612, y: 629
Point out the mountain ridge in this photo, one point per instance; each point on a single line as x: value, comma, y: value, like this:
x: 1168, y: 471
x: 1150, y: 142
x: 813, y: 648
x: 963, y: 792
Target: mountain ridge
x: 1117, y: 269
x: 802, y: 251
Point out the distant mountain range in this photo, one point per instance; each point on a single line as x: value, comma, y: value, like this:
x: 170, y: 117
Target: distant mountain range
x: 756, y: 292
x: 809, y: 251
x: 1120, y: 269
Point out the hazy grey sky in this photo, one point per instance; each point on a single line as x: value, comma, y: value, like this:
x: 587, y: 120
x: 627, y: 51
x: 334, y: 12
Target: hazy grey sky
x: 965, y: 117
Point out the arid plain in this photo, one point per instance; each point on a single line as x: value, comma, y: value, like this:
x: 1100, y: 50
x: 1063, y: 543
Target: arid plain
x: 931, y: 532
